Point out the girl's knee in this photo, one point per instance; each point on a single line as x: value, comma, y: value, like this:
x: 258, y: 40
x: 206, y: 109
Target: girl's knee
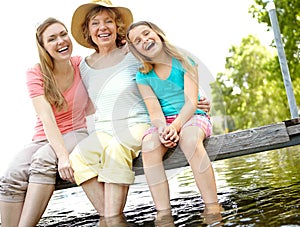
x: 151, y: 143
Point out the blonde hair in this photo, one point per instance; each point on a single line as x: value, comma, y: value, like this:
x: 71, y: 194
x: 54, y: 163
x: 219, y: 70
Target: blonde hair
x: 168, y: 48
x: 113, y: 13
x: 51, y: 90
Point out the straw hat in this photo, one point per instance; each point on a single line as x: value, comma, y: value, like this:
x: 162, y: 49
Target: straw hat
x: 80, y: 14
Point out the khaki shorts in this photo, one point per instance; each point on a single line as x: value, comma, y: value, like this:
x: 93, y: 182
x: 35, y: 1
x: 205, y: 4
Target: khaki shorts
x: 36, y: 163
x: 107, y: 157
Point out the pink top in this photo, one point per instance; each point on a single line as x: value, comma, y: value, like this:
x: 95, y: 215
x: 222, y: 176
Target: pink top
x: 76, y: 96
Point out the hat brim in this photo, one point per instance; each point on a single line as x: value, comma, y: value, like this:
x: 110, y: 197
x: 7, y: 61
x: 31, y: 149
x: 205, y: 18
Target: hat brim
x: 80, y: 14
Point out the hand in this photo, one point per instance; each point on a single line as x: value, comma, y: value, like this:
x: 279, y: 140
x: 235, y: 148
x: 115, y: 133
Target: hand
x: 168, y: 143
x: 203, y: 104
x: 168, y: 136
x: 65, y: 170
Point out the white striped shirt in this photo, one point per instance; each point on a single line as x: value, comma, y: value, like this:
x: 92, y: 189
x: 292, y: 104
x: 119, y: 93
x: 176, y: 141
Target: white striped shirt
x: 115, y: 95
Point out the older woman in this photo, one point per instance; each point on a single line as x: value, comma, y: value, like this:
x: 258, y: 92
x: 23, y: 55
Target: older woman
x: 102, y: 162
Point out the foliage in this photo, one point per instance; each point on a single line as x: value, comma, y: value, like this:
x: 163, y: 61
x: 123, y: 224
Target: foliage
x: 288, y: 15
x: 252, y: 87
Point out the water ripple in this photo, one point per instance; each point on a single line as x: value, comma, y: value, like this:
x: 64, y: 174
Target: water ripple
x: 255, y: 190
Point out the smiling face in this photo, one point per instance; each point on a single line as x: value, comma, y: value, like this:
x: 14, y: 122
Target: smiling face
x: 103, y: 30
x: 57, y: 42
x: 146, y: 41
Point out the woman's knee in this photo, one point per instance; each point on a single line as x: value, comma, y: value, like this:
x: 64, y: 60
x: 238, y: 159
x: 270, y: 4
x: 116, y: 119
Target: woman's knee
x: 14, y: 181
x: 13, y: 185
x: 43, y: 166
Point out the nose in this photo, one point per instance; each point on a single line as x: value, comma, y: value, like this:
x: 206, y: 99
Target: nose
x: 102, y: 26
x: 60, y: 40
x: 144, y: 39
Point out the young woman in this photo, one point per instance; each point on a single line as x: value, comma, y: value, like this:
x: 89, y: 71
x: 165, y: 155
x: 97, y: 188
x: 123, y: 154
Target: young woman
x: 168, y: 83
x: 61, y: 104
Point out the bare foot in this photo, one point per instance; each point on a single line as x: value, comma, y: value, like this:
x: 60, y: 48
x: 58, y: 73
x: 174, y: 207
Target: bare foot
x: 164, y: 218
x: 212, y: 214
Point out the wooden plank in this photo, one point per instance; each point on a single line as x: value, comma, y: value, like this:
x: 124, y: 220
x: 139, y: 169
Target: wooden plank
x: 234, y: 144
x: 293, y: 130
x: 293, y: 126
x: 245, y: 141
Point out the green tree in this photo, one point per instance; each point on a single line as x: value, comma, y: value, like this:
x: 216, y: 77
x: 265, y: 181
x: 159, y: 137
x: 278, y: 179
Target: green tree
x: 252, y: 95
x: 288, y: 14
x: 251, y: 91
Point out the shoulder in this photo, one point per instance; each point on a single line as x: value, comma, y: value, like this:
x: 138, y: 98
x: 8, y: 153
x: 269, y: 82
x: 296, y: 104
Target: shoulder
x: 34, y: 72
x: 143, y: 78
x: 34, y: 81
x: 84, y: 67
x: 140, y: 74
x: 76, y: 60
x: 131, y: 58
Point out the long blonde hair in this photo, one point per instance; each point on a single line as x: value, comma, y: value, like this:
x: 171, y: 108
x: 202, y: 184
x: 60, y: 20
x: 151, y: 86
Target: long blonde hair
x: 51, y: 90
x: 170, y: 49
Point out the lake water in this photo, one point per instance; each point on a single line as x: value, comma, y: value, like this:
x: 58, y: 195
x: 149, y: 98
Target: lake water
x: 254, y: 190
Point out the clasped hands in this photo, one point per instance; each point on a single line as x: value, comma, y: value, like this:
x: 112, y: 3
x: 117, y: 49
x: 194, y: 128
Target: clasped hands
x: 168, y: 136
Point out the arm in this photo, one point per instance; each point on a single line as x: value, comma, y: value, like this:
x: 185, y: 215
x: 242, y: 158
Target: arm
x: 191, y: 100
x: 153, y: 106
x: 203, y: 103
x: 156, y: 114
x: 45, y: 113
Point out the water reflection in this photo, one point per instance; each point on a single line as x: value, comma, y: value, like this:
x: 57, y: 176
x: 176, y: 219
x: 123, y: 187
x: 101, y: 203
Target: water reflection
x: 118, y: 220
x: 255, y: 190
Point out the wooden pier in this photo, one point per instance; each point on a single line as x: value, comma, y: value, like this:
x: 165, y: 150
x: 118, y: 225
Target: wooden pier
x: 233, y: 144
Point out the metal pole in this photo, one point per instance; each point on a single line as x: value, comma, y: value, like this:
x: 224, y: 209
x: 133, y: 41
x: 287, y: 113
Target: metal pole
x: 282, y: 60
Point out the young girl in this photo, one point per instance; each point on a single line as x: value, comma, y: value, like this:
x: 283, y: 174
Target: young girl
x: 168, y: 83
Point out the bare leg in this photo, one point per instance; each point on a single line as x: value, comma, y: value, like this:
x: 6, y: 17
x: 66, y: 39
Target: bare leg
x: 153, y: 152
x: 115, y: 199
x: 212, y: 214
x: 193, y: 148
x: 118, y: 220
x: 10, y: 213
x: 95, y: 193
x: 108, y: 199
x: 164, y: 218
x: 36, y: 201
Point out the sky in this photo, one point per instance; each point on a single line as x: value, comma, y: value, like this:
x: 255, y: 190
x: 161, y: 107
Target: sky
x: 206, y: 28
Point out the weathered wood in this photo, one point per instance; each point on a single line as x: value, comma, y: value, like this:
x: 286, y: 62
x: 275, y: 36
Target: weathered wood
x: 243, y: 142
x: 246, y: 141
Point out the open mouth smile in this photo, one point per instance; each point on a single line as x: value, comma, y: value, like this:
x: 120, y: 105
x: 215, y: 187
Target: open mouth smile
x: 149, y: 45
x: 62, y: 49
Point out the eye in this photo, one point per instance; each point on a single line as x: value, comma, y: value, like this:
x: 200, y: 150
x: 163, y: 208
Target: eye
x: 51, y: 39
x: 137, y: 41
x: 64, y: 34
x: 109, y: 21
x: 94, y: 23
